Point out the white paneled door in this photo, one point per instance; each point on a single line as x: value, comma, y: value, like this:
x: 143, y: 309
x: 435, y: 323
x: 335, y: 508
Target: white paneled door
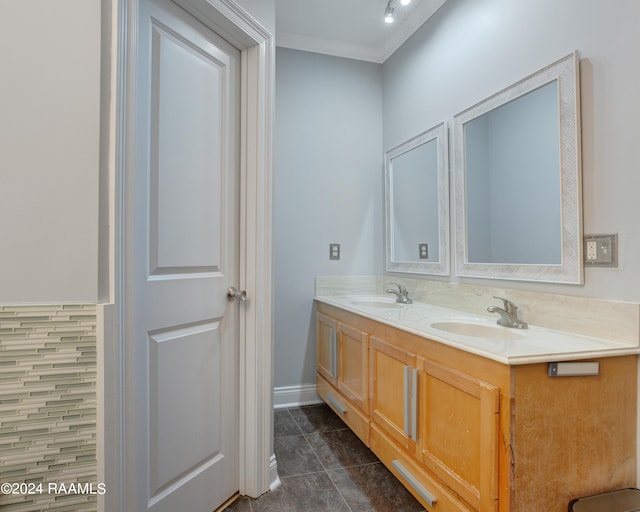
x: 182, y: 390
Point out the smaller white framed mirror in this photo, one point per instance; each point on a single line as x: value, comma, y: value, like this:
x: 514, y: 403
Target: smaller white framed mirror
x: 517, y: 180
x: 417, y: 205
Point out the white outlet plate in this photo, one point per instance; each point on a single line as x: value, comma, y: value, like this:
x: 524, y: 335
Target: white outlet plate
x: 334, y: 251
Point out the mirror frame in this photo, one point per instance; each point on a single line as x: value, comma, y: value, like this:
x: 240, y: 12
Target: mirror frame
x: 442, y: 266
x: 570, y: 270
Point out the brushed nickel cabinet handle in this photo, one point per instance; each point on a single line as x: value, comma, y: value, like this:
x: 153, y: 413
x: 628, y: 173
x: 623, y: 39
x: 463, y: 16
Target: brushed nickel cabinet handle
x: 336, y: 404
x: 414, y: 483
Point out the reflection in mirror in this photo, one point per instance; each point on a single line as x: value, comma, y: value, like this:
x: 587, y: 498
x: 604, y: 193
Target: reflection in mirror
x: 414, y: 178
x: 417, y: 205
x: 512, y: 156
x: 517, y: 181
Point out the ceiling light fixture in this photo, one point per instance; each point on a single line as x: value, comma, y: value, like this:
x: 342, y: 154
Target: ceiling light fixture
x: 388, y: 12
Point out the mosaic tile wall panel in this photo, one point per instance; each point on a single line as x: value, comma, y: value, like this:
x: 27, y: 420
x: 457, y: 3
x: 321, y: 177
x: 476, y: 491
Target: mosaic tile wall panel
x: 48, y: 407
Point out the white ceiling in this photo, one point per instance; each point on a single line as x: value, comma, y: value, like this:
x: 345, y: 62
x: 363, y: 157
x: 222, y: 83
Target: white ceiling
x: 349, y: 28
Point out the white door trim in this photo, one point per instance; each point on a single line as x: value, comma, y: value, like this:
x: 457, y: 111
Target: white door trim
x: 257, y: 465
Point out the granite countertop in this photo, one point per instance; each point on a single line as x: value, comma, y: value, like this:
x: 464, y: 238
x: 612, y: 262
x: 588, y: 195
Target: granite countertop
x: 483, y: 336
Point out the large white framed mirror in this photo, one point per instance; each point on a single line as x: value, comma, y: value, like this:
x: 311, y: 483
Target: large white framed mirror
x: 417, y: 204
x: 517, y: 180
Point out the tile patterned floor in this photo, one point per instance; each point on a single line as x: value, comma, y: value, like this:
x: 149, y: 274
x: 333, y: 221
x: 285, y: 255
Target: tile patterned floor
x: 324, y: 467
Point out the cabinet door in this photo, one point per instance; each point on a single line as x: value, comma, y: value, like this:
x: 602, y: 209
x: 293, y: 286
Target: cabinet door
x: 458, y: 432
x: 391, y: 372
x: 327, y: 348
x: 353, y: 365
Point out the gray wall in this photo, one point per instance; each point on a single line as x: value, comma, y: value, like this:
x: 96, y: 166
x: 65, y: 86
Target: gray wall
x: 473, y: 48
x: 328, y: 187
x: 329, y: 152
x: 264, y: 11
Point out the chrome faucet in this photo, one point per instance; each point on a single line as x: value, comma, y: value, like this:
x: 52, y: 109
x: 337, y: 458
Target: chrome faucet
x: 508, y: 315
x: 402, y: 295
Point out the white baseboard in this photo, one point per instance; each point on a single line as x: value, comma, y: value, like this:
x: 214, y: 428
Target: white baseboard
x: 292, y: 396
x: 273, y: 474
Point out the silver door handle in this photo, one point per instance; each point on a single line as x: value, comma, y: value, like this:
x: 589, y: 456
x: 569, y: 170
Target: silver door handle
x: 234, y: 294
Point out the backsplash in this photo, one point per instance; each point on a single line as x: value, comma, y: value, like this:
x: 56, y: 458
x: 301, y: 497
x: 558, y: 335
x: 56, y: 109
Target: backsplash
x: 599, y: 318
x: 48, y: 404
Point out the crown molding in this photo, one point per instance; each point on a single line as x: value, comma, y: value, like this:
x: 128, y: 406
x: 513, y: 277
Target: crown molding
x: 377, y: 53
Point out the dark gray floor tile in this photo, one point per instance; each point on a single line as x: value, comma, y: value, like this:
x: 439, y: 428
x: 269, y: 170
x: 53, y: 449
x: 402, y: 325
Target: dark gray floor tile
x: 306, y: 493
x: 373, y: 488
x: 340, y: 448
x: 295, y: 456
x: 284, y: 424
x: 316, y: 418
x: 242, y: 504
x: 326, y: 470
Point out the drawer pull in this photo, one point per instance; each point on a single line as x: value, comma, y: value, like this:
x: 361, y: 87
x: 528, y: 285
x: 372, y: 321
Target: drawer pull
x: 336, y: 404
x: 413, y: 482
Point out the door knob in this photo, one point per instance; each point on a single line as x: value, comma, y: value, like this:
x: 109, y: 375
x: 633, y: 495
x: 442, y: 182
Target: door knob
x: 234, y: 294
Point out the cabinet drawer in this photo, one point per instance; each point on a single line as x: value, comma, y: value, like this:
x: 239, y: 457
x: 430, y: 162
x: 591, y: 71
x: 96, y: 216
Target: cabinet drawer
x: 424, y: 486
x: 354, y: 419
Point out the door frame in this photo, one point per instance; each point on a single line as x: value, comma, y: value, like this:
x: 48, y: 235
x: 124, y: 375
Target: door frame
x: 258, y: 471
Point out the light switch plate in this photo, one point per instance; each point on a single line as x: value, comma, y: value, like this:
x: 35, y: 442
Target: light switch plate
x: 601, y: 250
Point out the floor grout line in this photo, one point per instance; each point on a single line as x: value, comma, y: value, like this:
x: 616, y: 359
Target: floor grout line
x: 344, y: 500
x: 325, y: 469
x: 317, y: 422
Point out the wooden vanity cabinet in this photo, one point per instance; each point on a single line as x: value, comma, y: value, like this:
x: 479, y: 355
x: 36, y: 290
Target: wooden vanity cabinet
x: 442, y: 417
x: 326, y: 348
x: 392, y: 375
x: 343, y: 372
x: 458, y: 431
x: 353, y: 366
x: 465, y: 433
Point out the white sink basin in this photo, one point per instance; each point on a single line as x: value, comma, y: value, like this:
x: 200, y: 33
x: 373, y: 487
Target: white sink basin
x: 377, y: 303
x: 494, y: 332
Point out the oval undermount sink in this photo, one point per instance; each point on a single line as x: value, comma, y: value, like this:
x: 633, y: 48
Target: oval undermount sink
x: 377, y: 303
x: 478, y: 330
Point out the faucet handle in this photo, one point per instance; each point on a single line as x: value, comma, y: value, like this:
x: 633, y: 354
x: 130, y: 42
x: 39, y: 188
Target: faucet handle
x: 401, y: 288
x: 509, y: 306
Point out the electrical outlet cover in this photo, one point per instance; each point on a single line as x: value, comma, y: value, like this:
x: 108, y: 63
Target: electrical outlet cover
x: 601, y: 250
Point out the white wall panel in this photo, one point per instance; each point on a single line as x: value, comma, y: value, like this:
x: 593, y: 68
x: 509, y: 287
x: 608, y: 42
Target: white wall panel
x: 49, y: 150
